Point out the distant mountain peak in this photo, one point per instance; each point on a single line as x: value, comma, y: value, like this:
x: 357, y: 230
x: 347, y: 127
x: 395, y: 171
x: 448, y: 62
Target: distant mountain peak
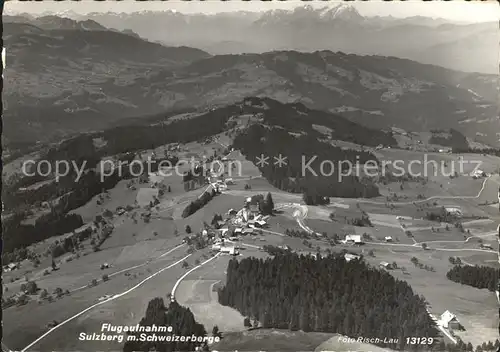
x: 344, y: 12
x: 341, y: 12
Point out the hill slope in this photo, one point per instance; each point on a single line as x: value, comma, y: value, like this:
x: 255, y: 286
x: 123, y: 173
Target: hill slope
x: 85, y: 79
x: 375, y: 91
x: 80, y: 80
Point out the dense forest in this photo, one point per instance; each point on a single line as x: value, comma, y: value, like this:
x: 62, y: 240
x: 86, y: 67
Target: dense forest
x: 181, y: 320
x: 304, y: 169
x: 326, y: 294
x: 18, y: 235
x: 475, y: 276
x: 452, y: 139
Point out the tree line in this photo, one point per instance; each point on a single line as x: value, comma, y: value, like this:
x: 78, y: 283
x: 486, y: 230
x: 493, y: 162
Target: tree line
x: 198, y: 203
x: 475, y: 276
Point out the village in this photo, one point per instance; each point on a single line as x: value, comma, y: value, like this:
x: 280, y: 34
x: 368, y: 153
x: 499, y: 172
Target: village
x: 240, y: 215
x: 225, y: 233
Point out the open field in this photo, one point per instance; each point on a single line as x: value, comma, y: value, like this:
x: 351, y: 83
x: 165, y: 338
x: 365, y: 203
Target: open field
x: 33, y: 317
x: 274, y: 340
x: 120, y: 195
x: 476, y: 309
x: 126, y: 310
x: 197, y: 293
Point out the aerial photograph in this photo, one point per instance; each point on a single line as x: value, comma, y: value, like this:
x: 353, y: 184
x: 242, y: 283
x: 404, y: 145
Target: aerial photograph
x: 250, y: 176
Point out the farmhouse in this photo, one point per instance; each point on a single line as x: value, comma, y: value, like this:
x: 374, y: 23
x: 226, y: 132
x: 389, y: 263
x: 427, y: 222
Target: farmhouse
x: 454, y: 211
x: 348, y: 257
x: 260, y: 223
x: 352, y: 239
x: 229, y: 250
x: 449, y: 320
x: 11, y: 266
x: 385, y: 265
x: 478, y: 174
x: 388, y: 238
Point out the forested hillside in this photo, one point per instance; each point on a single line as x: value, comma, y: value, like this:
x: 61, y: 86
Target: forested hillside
x: 300, y: 151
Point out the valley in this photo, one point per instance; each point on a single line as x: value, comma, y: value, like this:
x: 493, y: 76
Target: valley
x: 254, y: 191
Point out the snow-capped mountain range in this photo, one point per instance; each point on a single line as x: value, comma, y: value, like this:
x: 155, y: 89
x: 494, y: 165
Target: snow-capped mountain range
x: 465, y: 47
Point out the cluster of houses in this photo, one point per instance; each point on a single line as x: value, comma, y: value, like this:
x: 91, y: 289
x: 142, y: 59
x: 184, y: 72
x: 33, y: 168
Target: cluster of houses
x: 244, y: 222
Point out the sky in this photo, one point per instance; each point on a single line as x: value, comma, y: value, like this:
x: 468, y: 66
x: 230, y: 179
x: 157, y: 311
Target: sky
x: 474, y: 11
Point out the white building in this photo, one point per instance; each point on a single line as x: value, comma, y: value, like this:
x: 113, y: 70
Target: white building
x: 348, y: 257
x: 352, y: 239
x: 454, y: 211
x: 384, y: 265
x: 449, y: 320
x: 478, y: 173
x: 388, y: 238
x: 231, y: 250
x: 260, y: 223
